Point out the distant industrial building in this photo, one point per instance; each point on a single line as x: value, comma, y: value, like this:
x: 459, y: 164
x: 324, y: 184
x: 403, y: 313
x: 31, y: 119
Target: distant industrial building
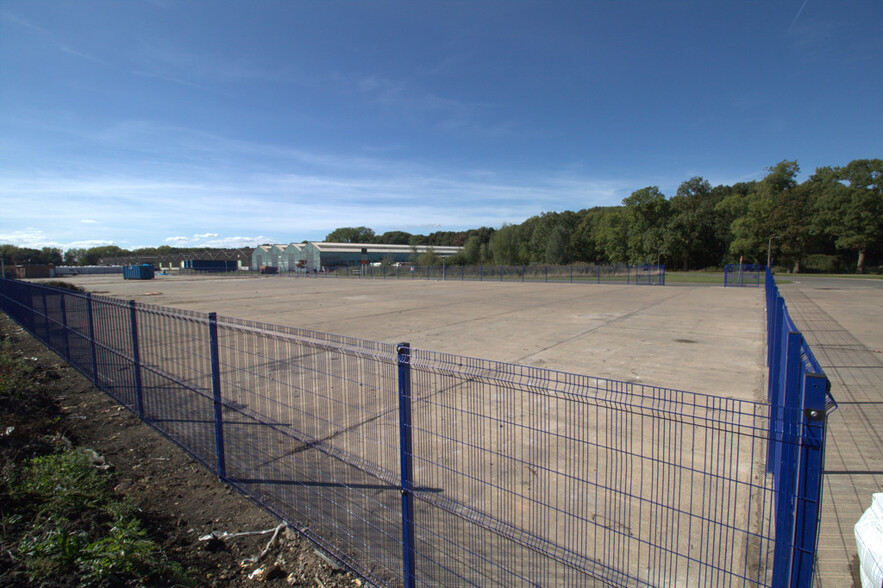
x: 318, y: 255
x: 266, y: 255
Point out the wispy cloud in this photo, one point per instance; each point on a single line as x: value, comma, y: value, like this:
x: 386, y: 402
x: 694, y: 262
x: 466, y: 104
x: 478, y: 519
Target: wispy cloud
x: 47, y: 35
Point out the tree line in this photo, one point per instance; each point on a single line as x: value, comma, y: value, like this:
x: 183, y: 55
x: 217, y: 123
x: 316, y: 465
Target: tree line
x: 13, y: 255
x: 831, y: 222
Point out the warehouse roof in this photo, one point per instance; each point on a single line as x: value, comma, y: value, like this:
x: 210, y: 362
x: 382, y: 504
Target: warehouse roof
x: 380, y: 248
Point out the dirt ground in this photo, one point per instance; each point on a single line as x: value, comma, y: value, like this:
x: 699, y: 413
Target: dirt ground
x: 179, y: 500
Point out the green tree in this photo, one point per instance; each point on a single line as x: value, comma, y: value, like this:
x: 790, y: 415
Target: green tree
x: 505, y: 245
x: 429, y: 257
x: 646, y: 215
x: 393, y: 238
x: 774, y: 217
x: 557, y: 246
x: 612, y: 235
x: 350, y: 235
x: 849, y: 205
x: 694, y: 236
x: 94, y: 255
x: 73, y: 256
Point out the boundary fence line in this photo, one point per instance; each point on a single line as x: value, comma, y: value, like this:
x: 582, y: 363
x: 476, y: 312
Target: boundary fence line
x: 743, y: 274
x: 410, y: 466
x: 647, y: 274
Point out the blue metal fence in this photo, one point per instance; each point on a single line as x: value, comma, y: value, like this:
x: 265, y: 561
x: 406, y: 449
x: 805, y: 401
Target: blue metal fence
x: 743, y: 274
x: 647, y: 274
x: 414, y: 467
x: 800, y: 400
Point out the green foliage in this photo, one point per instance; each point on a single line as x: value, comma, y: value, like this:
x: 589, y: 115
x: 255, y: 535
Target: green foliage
x: 66, y: 482
x: 80, y: 529
x: 394, y: 238
x: 350, y: 235
x: 849, y: 205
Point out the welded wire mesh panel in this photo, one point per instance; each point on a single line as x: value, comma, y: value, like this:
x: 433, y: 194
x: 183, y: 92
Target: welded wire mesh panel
x: 78, y: 342
x: 114, y: 353
x: 176, y: 378
x: 535, y: 476
x: 310, y: 428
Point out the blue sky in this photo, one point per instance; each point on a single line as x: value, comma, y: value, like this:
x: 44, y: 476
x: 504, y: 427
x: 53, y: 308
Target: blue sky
x: 146, y: 123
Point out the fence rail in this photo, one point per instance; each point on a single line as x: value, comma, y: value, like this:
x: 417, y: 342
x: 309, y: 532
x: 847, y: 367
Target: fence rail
x: 410, y: 466
x: 742, y: 274
x: 646, y: 274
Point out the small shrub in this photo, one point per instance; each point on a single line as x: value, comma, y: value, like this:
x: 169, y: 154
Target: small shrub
x: 66, y: 481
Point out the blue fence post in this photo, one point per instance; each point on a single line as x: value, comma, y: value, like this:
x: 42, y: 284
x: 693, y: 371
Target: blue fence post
x: 785, y: 483
x: 407, y: 481
x: 547, y: 273
x: 809, y: 482
x: 136, y: 358
x: 522, y: 273
x: 216, y: 395
x: 774, y: 391
x: 92, y: 338
x: 571, y: 273
x: 46, y: 319
x: 64, y: 335
x: 501, y: 272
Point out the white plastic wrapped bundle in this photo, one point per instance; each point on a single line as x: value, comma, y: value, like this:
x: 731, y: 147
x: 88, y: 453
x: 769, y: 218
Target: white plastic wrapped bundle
x: 869, y: 540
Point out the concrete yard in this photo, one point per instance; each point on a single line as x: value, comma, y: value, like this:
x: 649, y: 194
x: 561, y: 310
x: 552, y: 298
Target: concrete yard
x: 702, y: 339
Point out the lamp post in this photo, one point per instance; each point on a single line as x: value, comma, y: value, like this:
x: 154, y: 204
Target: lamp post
x: 769, y: 247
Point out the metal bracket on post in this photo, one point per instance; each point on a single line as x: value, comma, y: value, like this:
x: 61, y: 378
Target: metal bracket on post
x: 216, y: 395
x: 136, y: 358
x: 403, y: 351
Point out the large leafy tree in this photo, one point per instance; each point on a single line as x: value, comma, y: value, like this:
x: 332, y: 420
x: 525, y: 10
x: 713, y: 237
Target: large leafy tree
x: 611, y: 235
x: 695, y: 236
x: 646, y: 215
x: 849, y: 205
x: 557, y: 251
x: 506, y: 245
x: 773, y: 219
x: 350, y: 235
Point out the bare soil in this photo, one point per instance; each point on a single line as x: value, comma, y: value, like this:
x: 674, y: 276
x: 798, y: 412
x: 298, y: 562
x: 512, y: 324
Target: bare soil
x: 180, y: 501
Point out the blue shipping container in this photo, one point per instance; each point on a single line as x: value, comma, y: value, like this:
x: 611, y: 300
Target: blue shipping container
x: 138, y: 272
